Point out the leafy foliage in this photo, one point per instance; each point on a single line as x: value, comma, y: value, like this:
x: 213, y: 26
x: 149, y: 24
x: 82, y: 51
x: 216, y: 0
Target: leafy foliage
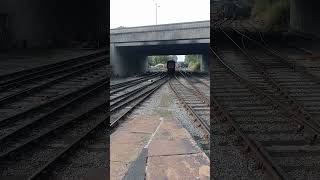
x: 192, y: 59
x: 193, y: 62
x: 194, y: 66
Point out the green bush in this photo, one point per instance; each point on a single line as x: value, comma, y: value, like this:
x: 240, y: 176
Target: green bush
x: 194, y: 66
x: 260, y: 6
x: 275, y: 13
x: 280, y: 13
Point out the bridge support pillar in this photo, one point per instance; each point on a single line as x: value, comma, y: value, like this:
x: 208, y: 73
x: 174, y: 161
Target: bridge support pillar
x: 204, y: 65
x: 304, y: 16
x: 125, y: 63
x: 115, y: 60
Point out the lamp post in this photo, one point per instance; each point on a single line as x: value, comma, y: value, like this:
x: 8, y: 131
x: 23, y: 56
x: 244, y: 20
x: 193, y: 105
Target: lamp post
x: 156, y: 12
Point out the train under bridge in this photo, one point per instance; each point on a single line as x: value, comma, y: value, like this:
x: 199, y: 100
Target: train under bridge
x: 129, y: 47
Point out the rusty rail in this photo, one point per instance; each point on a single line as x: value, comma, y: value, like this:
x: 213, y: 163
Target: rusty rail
x: 202, y: 123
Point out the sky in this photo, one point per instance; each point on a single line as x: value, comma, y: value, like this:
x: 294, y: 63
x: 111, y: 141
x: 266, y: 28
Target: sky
x: 131, y: 13
x: 180, y: 58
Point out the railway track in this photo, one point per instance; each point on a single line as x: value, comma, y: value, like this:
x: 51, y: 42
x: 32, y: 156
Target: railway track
x: 258, y: 73
x: 37, y: 73
x: 298, y: 83
x: 121, y: 104
x: 35, y: 102
x: 120, y: 86
x: 38, y: 136
x: 50, y: 114
x: 15, y: 89
x: 44, y: 113
x: 200, y: 83
x: 36, y: 150
x: 194, y: 101
x: 257, y: 99
x: 124, y: 102
x: 47, y: 69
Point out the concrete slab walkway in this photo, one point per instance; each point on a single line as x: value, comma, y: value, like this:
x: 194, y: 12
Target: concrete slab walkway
x: 156, y: 143
x: 173, y: 154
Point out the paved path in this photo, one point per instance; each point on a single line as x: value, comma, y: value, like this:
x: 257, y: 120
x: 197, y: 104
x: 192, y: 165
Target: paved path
x: 154, y: 144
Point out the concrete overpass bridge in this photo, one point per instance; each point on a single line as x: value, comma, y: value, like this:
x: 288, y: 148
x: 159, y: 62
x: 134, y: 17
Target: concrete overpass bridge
x: 129, y: 47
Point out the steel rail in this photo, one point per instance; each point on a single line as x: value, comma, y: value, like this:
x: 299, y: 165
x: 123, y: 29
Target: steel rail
x: 127, y: 84
x: 202, y: 122
x: 310, y: 129
x: 260, y: 153
x: 75, y: 142
x: 44, y: 169
x: 197, y: 74
x: 100, y: 84
x: 44, y: 85
x: 296, y: 108
x: 140, y: 99
x: 119, y: 99
x: 197, y: 91
x: 284, y: 60
x: 40, y: 106
x: 41, y: 70
x: 62, y: 70
x: 197, y: 79
x: 315, y: 132
x: 121, y: 84
x: 25, y: 126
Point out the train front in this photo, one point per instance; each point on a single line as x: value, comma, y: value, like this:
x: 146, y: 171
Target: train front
x: 171, y: 67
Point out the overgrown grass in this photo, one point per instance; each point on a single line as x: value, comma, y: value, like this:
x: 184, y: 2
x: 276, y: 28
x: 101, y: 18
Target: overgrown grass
x: 275, y: 13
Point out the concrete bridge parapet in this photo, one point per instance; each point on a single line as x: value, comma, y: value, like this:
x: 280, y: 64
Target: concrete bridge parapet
x: 179, y: 31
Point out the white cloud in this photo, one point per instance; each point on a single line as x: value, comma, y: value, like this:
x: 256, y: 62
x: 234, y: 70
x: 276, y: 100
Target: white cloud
x: 180, y: 58
x: 131, y: 13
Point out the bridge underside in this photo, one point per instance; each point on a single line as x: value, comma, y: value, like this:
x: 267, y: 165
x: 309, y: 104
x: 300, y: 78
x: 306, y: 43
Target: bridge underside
x: 128, y: 60
x: 38, y: 23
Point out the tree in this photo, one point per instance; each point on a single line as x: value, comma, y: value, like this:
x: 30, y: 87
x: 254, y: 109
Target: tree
x: 192, y: 59
x: 193, y: 62
x: 274, y: 13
